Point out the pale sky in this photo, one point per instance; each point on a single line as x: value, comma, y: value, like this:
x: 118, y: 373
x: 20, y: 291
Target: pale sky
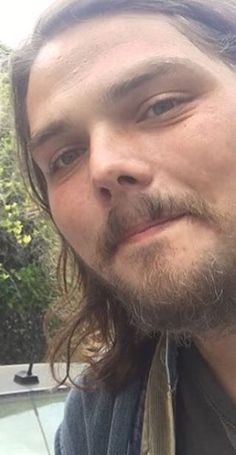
x: 17, y: 18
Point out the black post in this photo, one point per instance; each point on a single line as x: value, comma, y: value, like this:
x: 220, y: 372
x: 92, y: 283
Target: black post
x: 26, y: 377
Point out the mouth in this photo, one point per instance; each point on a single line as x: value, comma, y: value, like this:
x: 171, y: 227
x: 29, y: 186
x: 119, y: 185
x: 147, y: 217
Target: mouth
x: 144, y: 230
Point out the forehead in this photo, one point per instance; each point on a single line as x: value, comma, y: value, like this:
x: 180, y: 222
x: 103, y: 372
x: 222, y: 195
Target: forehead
x: 92, y: 55
x: 90, y: 45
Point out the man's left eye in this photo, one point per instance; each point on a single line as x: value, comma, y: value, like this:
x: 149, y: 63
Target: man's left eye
x: 162, y: 107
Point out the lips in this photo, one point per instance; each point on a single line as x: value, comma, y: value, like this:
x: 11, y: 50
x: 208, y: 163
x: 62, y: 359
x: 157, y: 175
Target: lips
x: 140, y: 228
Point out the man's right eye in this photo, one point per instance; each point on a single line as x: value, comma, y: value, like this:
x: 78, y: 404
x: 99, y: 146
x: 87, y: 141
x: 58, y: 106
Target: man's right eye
x: 65, y: 159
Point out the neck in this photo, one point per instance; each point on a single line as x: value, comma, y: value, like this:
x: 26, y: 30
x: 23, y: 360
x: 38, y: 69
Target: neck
x: 220, y: 354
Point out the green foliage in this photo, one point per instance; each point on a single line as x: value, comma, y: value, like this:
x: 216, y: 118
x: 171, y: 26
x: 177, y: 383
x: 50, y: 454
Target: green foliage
x: 26, y: 286
x: 24, y: 297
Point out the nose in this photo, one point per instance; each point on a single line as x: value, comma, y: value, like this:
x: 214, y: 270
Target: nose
x: 117, y: 164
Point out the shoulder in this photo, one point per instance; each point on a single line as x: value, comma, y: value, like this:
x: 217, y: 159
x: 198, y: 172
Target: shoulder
x: 80, y: 417
x: 93, y: 417
x: 97, y: 421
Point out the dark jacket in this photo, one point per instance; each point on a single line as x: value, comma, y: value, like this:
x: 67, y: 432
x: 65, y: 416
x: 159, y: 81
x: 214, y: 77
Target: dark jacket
x: 97, y: 423
x: 100, y: 423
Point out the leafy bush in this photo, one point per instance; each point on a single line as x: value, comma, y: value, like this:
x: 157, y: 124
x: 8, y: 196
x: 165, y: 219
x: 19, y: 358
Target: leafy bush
x: 26, y: 286
x: 24, y: 297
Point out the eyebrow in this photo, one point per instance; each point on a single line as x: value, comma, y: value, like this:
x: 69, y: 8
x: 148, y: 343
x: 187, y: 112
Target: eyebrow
x: 52, y: 130
x: 148, y: 70
x: 133, y: 79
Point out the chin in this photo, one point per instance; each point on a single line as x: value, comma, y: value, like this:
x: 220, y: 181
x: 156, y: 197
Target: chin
x: 188, y: 294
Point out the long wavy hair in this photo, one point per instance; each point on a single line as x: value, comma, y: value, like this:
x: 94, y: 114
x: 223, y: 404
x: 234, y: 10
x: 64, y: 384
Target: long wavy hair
x: 91, y: 325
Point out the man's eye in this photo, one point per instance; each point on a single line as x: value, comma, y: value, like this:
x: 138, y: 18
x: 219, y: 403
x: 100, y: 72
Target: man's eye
x: 162, y: 107
x: 65, y: 159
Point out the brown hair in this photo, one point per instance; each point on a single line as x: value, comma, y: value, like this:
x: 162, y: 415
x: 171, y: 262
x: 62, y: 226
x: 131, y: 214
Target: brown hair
x: 97, y: 329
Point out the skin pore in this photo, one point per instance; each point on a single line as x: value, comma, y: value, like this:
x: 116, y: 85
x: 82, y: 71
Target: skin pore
x: 135, y: 135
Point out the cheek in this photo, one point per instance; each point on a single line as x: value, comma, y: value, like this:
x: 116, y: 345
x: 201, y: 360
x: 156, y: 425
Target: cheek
x: 204, y: 155
x: 71, y: 215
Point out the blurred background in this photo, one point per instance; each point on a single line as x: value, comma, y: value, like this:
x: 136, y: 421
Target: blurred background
x: 17, y: 19
x: 26, y: 269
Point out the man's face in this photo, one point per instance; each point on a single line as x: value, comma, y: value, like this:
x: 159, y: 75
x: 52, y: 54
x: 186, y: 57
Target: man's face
x: 134, y: 130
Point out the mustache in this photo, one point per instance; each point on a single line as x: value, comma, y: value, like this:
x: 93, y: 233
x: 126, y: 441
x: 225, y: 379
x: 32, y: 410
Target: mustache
x: 145, y: 209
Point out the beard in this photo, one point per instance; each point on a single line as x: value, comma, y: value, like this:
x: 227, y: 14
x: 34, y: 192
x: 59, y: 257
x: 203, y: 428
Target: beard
x: 195, y: 302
